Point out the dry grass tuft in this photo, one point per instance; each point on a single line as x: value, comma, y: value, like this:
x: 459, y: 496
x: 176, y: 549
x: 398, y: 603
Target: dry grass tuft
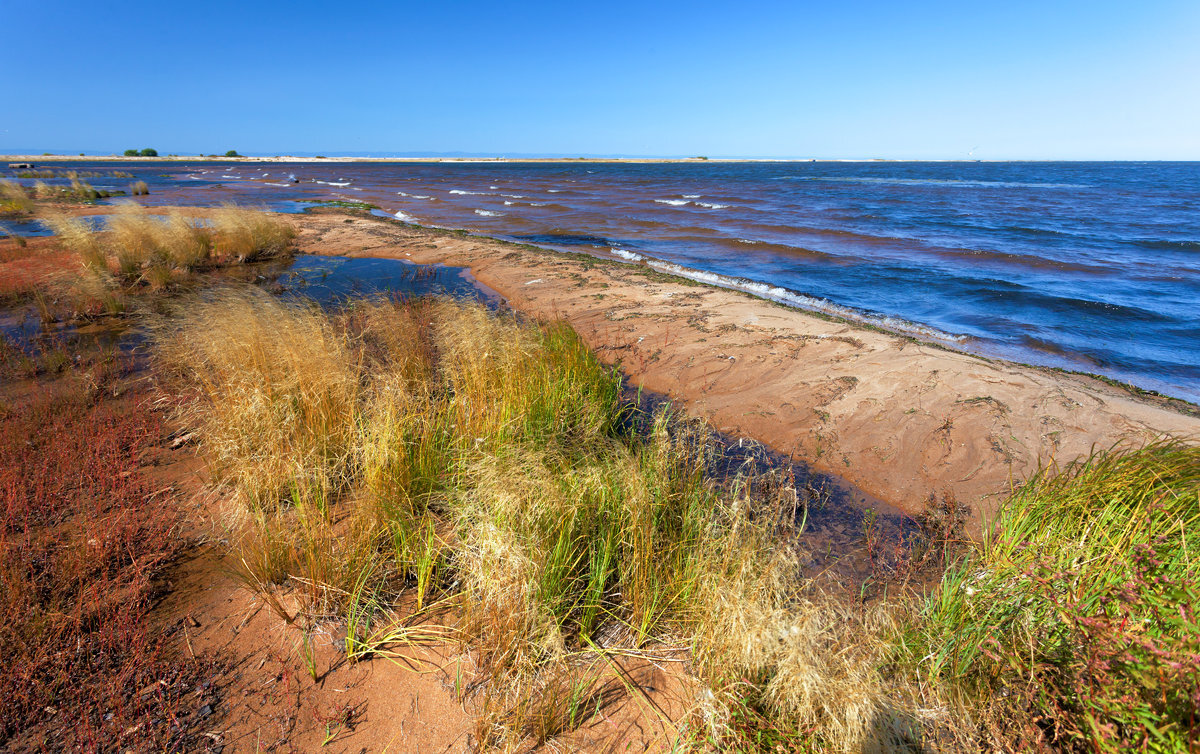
x: 14, y: 200
x: 434, y: 452
x: 244, y: 235
x: 278, y: 393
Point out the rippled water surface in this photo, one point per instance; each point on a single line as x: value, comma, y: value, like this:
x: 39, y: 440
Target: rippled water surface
x: 1091, y: 266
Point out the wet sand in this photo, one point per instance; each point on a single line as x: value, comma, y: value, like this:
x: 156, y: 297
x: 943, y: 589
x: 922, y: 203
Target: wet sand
x: 901, y: 420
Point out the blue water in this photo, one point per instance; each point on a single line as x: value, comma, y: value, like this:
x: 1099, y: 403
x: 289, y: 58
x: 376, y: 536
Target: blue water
x: 1089, y: 266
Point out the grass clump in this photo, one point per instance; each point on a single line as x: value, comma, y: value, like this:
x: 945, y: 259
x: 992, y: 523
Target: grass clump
x: 14, y: 200
x: 138, y: 249
x: 243, y: 235
x: 277, y: 389
x: 77, y: 190
x: 434, y: 453
x: 1075, y: 625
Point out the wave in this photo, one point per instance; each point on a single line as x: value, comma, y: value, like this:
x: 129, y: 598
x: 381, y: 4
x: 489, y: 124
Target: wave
x: 673, y: 202
x: 488, y: 213
x: 332, y: 183
x: 406, y: 218
x: 713, y: 206
x: 691, y: 196
x: 469, y: 193
x: 632, y: 256
x: 804, y: 301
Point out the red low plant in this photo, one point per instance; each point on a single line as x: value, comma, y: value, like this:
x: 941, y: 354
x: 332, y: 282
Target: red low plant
x: 82, y: 538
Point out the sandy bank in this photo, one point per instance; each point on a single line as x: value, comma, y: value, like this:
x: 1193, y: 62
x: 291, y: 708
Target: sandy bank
x: 900, y: 419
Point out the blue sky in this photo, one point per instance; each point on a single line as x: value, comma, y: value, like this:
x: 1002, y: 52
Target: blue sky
x: 918, y: 80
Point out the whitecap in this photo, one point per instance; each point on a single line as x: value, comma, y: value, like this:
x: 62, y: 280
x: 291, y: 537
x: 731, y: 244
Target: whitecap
x: 673, y: 202
x: 691, y: 196
x: 470, y: 193
x: 406, y: 218
x: 488, y: 213
x: 631, y: 256
x: 712, y: 206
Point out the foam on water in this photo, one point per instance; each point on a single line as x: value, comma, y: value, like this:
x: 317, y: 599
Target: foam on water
x: 624, y: 254
x: 797, y: 299
x: 468, y: 193
x: 673, y: 202
x: 488, y: 213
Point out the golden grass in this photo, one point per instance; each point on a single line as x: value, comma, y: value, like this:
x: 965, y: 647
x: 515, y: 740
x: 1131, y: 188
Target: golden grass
x: 435, y: 453
x: 137, y: 249
x: 243, y: 235
x: 278, y: 394
x: 14, y: 200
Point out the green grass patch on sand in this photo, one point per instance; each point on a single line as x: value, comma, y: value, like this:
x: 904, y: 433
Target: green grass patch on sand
x: 1075, y: 624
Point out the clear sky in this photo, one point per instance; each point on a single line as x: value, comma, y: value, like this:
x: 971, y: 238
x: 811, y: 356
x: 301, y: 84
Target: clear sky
x: 1009, y: 79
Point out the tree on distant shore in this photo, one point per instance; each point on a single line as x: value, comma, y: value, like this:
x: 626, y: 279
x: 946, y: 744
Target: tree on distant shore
x: 131, y: 153
x: 148, y: 152
x: 232, y: 153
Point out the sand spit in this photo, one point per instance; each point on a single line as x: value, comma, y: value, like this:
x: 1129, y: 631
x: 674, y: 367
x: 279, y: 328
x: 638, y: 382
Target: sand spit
x: 900, y: 419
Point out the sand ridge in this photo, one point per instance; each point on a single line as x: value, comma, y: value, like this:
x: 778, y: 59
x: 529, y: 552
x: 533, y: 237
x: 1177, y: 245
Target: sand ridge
x: 900, y: 419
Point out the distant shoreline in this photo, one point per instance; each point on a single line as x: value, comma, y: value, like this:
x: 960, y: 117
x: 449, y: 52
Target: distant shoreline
x: 35, y: 158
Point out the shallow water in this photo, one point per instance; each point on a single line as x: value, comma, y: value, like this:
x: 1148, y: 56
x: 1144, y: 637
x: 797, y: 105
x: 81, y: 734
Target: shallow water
x: 326, y: 280
x: 1089, y: 266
